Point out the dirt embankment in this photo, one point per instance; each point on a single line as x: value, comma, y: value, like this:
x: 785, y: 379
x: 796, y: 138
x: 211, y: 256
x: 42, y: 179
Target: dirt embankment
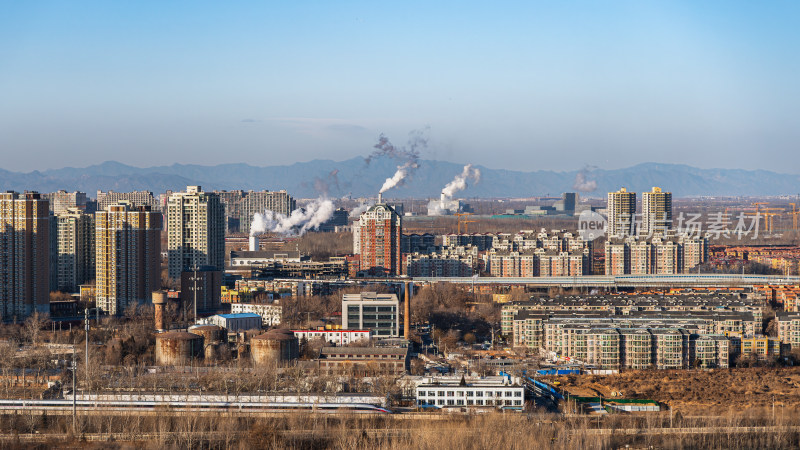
x: 715, y: 390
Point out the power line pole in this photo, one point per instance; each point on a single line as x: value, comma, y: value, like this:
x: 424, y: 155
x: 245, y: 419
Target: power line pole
x: 74, y: 396
x: 195, y: 293
x: 86, y: 327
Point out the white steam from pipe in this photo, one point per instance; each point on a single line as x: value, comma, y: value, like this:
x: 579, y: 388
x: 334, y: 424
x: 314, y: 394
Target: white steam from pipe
x: 358, y: 210
x: 399, y: 177
x: 459, y: 183
x: 410, y: 155
x: 298, y: 222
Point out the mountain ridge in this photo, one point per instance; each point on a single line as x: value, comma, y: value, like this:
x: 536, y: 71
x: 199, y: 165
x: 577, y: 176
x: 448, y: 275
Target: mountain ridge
x: 358, y: 178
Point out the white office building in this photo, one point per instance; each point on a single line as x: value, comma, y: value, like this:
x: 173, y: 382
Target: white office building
x: 379, y: 313
x: 450, y: 392
x: 270, y: 312
x: 335, y: 337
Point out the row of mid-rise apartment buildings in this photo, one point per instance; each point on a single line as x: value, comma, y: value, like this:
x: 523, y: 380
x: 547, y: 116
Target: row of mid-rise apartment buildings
x: 524, y: 254
x: 653, y: 248
x: 546, y: 253
x: 641, y: 332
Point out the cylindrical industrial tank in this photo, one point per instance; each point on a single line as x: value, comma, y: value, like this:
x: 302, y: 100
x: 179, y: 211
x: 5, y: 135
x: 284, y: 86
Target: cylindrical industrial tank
x: 177, y: 348
x: 213, y: 344
x: 210, y: 333
x: 279, y: 346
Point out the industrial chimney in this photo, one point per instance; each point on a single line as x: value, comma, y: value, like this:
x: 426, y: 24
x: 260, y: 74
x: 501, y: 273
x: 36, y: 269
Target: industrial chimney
x: 380, y: 197
x: 253, y: 244
x: 159, y: 302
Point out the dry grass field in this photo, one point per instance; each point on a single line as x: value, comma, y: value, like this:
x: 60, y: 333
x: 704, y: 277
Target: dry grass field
x: 697, y: 391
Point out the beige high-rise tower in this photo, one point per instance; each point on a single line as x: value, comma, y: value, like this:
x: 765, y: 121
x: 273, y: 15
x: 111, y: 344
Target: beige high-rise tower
x: 656, y: 212
x: 24, y: 255
x: 128, y: 256
x: 75, y: 249
x: 195, y: 231
x: 621, y: 213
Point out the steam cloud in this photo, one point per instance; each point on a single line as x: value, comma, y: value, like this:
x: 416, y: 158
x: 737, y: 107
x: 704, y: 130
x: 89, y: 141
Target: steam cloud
x: 582, y: 181
x: 459, y: 183
x: 399, y: 177
x: 358, y: 210
x: 409, y: 154
x: 298, y: 222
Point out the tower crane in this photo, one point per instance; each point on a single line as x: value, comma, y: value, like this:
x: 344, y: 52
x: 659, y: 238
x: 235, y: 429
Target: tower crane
x: 464, y: 218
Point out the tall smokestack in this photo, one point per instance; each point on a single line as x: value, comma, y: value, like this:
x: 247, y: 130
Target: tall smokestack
x: 253, y: 244
x: 380, y: 197
x: 407, y: 312
x: 159, y: 302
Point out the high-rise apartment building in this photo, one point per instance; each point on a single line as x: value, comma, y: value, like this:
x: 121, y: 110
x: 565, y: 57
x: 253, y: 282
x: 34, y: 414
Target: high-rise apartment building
x: 75, y: 251
x: 135, y: 198
x: 231, y: 201
x: 128, y: 256
x: 259, y: 201
x: 195, y: 231
x: 656, y: 212
x: 24, y: 255
x: 379, y: 233
x: 621, y: 213
x: 62, y: 200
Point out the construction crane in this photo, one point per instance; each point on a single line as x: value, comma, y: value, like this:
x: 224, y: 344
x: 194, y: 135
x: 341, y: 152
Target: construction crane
x: 769, y: 217
x: 464, y: 218
x: 758, y: 205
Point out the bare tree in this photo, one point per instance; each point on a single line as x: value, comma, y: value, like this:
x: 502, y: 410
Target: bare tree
x: 33, y: 326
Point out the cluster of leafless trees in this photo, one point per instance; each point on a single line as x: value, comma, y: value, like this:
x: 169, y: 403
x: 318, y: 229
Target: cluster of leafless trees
x: 180, y: 429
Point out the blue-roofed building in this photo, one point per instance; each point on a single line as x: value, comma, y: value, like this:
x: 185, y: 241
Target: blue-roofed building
x: 236, y: 322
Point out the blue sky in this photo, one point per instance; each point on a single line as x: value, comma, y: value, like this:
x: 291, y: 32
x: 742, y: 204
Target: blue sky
x: 527, y: 85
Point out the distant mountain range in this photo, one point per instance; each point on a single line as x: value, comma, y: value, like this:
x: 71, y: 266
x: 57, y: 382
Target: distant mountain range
x: 357, y: 178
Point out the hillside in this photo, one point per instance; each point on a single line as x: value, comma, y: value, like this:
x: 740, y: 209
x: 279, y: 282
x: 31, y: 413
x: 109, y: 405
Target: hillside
x: 357, y: 178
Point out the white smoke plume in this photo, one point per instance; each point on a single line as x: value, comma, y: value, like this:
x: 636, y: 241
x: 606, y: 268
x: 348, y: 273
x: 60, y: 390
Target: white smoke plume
x: 409, y: 155
x: 459, y: 183
x: 583, y: 183
x: 298, y: 222
x: 358, y: 210
x: 399, y: 177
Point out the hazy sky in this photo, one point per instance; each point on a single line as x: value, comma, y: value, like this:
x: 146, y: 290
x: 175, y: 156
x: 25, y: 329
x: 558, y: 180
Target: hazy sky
x: 528, y: 85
